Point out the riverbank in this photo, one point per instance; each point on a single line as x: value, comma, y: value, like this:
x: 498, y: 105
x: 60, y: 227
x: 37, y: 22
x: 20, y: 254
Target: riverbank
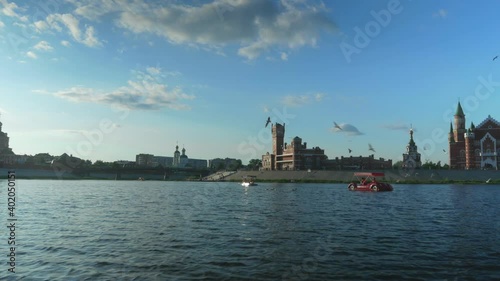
x: 393, y: 176
x: 22, y: 173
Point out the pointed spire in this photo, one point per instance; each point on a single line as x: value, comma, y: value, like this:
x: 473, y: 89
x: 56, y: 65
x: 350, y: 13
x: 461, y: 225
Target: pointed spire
x: 459, y: 112
x: 451, y: 135
x: 472, y: 125
x: 412, y: 142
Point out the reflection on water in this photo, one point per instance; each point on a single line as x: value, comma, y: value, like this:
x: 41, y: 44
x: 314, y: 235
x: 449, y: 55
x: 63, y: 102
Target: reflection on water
x: 124, y: 230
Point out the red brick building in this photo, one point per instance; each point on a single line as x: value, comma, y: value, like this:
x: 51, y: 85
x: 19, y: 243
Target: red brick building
x: 293, y: 156
x: 359, y: 163
x: 476, y: 147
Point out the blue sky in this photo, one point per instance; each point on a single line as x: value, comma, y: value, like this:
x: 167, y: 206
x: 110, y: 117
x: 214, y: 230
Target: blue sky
x: 106, y: 80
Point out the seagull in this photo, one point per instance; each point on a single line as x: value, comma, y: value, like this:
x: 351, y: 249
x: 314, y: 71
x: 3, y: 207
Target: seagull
x: 495, y: 57
x: 488, y: 180
x: 370, y: 147
x: 268, y: 121
x: 336, y: 126
x: 349, y: 150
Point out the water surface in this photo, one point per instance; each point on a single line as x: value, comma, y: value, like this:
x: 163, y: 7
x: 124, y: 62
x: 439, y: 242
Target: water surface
x: 153, y: 230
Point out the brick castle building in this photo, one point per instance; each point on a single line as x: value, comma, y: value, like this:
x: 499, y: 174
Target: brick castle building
x: 293, y: 156
x: 476, y: 147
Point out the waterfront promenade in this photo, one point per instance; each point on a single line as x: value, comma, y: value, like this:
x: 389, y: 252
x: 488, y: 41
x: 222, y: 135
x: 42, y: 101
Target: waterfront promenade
x: 390, y: 175
x: 416, y: 176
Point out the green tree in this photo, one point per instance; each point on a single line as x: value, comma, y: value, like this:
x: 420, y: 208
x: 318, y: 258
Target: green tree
x: 254, y: 164
x: 397, y: 165
x: 238, y: 164
x: 431, y: 165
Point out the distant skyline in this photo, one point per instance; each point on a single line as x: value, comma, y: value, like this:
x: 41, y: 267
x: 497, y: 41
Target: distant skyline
x: 106, y: 80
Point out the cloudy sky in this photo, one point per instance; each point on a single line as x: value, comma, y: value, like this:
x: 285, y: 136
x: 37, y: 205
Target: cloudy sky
x: 106, y: 80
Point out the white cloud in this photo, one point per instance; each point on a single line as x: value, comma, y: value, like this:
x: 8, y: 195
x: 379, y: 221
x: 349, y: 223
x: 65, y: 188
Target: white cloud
x: 72, y: 24
x: 300, y: 100
x: 441, y: 13
x: 43, y: 45
x: 153, y: 70
x: 145, y: 92
x: 257, y: 26
x: 41, y: 26
x: 10, y: 10
x: 319, y: 96
x: 31, y: 55
x: 347, y: 129
x: 65, y: 43
x: 284, y: 56
x: 1, y: 24
x: 296, y: 100
x: 90, y: 37
x: 398, y: 127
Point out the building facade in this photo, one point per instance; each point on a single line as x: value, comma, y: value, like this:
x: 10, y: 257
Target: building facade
x: 475, y: 147
x: 358, y: 163
x: 144, y: 160
x: 177, y: 161
x: 223, y: 163
x: 411, y: 159
x: 4, y: 143
x: 7, y: 156
x: 293, y: 156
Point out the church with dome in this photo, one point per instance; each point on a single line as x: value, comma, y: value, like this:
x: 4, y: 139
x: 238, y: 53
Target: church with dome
x: 180, y: 160
x: 411, y: 159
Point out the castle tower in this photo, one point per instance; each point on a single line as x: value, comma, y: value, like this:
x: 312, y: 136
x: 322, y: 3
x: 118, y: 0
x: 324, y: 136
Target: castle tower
x: 459, y: 124
x: 451, y: 137
x: 278, y: 132
x: 469, y: 148
x: 451, y: 147
x: 456, y: 149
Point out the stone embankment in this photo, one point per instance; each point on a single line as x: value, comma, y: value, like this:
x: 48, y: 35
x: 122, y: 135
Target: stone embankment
x: 390, y: 175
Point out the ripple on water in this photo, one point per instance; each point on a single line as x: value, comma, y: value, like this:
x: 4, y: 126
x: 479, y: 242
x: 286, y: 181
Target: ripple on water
x: 107, y: 230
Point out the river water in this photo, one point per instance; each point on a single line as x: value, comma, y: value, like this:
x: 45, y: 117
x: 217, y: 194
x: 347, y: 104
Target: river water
x: 154, y: 230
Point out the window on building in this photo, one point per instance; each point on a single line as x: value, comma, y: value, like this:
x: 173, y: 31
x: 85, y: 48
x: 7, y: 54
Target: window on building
x: 462, y: 153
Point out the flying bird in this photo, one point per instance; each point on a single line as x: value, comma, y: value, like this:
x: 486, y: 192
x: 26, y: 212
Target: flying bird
x: 495, y: 57
x: 336, y: 126
x: 268, y: 121
x: 370, y: 147
x: 349, y: 150
x: 444, y: 150
x: 488, y: 180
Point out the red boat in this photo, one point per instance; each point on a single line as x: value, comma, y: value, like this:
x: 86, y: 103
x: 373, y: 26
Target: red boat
x: 369, y: 182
